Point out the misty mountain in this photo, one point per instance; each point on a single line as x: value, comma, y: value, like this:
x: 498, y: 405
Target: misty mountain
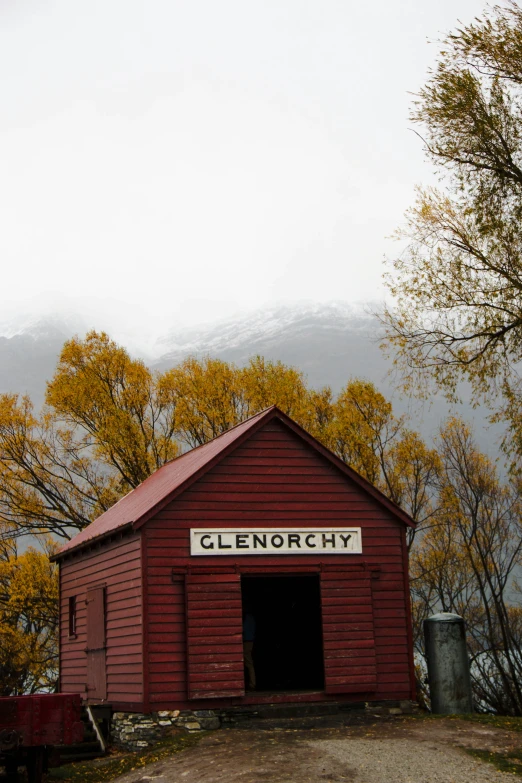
x: 29, y: 350
x: 331, y: 343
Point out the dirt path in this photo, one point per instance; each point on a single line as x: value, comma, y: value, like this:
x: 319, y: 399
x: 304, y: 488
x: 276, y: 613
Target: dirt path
x: 388, y: 751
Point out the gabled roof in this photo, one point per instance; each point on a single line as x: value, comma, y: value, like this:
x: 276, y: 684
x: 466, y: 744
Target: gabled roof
x: 172, y: 478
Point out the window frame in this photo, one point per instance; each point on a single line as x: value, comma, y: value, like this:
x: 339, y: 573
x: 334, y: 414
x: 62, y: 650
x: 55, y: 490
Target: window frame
x: 72, y: 617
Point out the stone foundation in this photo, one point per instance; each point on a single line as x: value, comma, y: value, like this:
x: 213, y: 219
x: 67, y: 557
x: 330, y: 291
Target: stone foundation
x: 136, y: 731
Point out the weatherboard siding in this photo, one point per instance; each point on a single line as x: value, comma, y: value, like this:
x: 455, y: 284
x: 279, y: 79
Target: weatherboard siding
x: 116, y: 565
x: 275, y: 479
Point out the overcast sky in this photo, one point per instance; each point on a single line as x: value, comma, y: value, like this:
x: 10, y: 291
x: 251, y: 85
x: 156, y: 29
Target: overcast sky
x: 185, y: 159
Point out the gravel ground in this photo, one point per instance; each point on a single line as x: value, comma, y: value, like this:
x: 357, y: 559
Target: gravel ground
x: 400, y: 761
x: 400, y: 751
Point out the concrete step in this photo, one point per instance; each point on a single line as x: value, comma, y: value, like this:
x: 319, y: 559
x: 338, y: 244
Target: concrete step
x: 296, y: 723
x: 281, y: 715
x: 290, y: 710
x: 305, y: 714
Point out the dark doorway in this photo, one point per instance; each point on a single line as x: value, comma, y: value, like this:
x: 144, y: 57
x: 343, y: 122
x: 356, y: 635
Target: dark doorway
x: 288, y: 646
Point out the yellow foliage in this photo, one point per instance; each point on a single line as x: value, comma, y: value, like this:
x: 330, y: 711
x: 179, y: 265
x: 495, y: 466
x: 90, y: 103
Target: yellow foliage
x: 48, y: 479
x: 210, y: 396
x: 205, y: 398
x: 114, y: 400
x: 266, y: 383
x: 361, y: 429
x: 28, y: 621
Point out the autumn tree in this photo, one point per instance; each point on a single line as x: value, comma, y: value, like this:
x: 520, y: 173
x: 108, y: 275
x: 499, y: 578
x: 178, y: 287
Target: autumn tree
x: 363, y: 431
x: 28, y: 619
x: 49, y: 483
x: 467, y: 563
x: 105, y: 428
x: 114, y: 404
x: 209, y: 396
x: 206, y: 398
x: 266, y: 383
x: 458, y: 284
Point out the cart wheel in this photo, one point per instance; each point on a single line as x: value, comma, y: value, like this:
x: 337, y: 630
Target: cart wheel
x: 35, y: 765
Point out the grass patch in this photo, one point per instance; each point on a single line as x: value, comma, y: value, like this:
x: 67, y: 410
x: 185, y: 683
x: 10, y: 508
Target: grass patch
x: 503, y: 762
x: 495, y: 721
x: 510, y: 762
x: 505, y: 722
x: 107, y: 768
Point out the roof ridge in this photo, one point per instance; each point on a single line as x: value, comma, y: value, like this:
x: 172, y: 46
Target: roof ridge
x: 217, y: 437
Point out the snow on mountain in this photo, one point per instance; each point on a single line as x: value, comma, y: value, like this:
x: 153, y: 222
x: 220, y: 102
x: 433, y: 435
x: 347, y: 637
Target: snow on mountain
x: 43, y: 327
x: 61, y: 319
x: 241, y: 331
x: 286, y: 332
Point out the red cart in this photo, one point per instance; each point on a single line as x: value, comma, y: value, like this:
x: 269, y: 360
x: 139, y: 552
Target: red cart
x: 30, y: 726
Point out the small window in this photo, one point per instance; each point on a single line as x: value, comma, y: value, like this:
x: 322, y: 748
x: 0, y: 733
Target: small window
x: 72, y: 615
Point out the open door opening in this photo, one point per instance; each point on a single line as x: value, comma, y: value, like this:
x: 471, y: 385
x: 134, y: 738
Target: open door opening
x: 287, y: 649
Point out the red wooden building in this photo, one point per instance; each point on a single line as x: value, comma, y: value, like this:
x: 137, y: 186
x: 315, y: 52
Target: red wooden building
x: 262, y: 518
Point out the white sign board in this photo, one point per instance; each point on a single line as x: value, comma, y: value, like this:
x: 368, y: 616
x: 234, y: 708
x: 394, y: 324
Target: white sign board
x: 276, y: 541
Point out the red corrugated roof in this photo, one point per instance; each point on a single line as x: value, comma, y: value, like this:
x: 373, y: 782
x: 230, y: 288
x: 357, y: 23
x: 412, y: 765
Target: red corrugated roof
x: 155, y: 491
x: 162, y: 483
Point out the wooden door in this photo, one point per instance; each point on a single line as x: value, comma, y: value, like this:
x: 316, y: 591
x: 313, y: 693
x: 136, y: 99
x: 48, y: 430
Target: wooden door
x: 348, y: 632
x: 96, y: 647
x: 214, y: 636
